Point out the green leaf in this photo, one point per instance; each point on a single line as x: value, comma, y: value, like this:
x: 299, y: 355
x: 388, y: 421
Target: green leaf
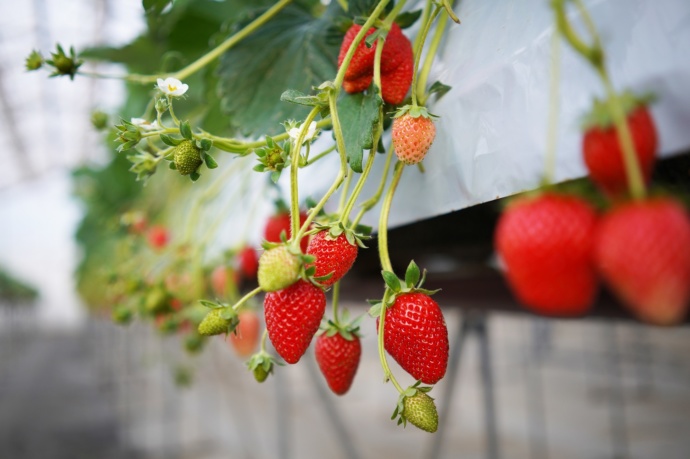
x: 406, y: 19
x: 299, y: 98
x: 155, y: 7
x: 290, y: 51
x: 186, y: 130
x: 439, y: 89
x: 391, y: 280
x: 358, y: 115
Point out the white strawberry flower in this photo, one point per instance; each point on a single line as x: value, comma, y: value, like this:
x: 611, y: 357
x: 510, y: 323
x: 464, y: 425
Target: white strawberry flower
x: 311, y: 131
x: 145, y: 125
x: 172, y: 87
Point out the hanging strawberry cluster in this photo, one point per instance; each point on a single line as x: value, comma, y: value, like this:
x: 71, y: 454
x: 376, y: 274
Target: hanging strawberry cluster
x: 556, y: 247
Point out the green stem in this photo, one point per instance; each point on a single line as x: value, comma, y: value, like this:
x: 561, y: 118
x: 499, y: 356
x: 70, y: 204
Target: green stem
x: 429, y: 59
x: 388, y: 374
x: 594, y: 54
x: 172, y: 113
x: 552, y: 129
x: 340, y: 76
x: 343, y: 195
x: 636, y: 184
x: 383, y: 218
x: 371, y: 202
x: 345, y: 215
x: 264, y: 336
x: 294, y: 169
x: 418, y: 51
x: 335, y: 296
x: 320, y: 155
x: 337, y: 130
x: 246, y: 298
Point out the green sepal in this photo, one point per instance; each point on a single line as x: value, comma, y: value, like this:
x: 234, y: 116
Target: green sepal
x: 208, y: 159
x: 412, y: 274
x: 391, y: 281
x: 439, y: 89
x: 204, y: 144
x: 194, y: 176
x: 172, y: 165
x: 375, y: 310
x: 186, y: 130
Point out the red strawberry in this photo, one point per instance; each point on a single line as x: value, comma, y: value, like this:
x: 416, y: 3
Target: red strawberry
x: 246, y: 335
x: 415, y: 335
x: 643, y: 252
x: 158, y: 237
x: 397, y: 62
x: 603, y: 154
x: 413, y: 133
x: 395, y: 84
x: 338, y: 359
x: 280, y: 222
x: 293, y: 316
x: 249, y: 262
x: 546, y: 244
x: 334, y: 255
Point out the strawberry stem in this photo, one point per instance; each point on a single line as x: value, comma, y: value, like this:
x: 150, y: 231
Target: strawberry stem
x: 294, y: 169
x: 342, y: 173
x: 345, y: 215
x: 372, y: 201
x: 418, y: 50
x: 387, y: 373
x: 246, y: 298
x: 384, y: 257
x: 429, y: 59
x: 263, y: 340
x: 552, y: 129
x: 207, y: 58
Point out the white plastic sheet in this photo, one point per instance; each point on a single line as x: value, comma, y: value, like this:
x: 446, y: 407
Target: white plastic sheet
x: 492, y: 127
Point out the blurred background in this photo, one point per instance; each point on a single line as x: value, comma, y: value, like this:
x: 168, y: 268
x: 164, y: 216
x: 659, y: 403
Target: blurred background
x: 75, y: 385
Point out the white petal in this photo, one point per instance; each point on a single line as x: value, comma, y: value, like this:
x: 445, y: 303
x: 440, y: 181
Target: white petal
x: 293, y: 133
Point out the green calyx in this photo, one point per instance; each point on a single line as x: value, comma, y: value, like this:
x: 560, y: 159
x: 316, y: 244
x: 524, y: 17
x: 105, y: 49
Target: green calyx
x: 414, y: 279
x: 600, y: 116
x: 220, y: 319
x: 414, y: 111
x: 418, y: 408
x: 343, y: 326
x: 336, y: 229
x: 273, y: 158
x: 261, y: 365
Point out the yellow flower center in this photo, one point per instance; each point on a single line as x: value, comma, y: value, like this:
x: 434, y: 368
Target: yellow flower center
x: 172, y: 88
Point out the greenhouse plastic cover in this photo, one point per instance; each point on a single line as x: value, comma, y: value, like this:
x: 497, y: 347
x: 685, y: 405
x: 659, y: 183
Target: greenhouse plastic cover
x: 493, y: 122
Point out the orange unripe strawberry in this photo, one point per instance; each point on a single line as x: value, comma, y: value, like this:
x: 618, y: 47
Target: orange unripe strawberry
x: 413, y: 133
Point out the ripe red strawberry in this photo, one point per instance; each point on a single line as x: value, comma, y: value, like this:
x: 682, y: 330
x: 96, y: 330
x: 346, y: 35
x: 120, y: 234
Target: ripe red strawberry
x: 415, y: 335
x: 293, y: 316
x: 334, y: 255
x: 546, y: 244
x: 248, y: 261
x: 158, y: 237
x: 280, y: 222
x: 245, y: 338
x: 602, y: 152
x: 397, y: 62
x: 642, y: 250
x: 395, y: 84
x: 413, y: 133
x: 338, y: 359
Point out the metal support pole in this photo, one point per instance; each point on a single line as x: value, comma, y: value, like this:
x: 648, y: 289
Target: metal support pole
x: 485, y: 362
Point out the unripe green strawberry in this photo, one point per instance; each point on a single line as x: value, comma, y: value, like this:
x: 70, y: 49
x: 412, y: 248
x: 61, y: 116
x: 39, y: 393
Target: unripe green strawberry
x: 413, y: 133
x: 193, y: 343
x: 420, y: 411
x: 156, y: 300
x: 213, y: 323
x: 260, y: 374
x: 187, y: 157
x: 278, y: 268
